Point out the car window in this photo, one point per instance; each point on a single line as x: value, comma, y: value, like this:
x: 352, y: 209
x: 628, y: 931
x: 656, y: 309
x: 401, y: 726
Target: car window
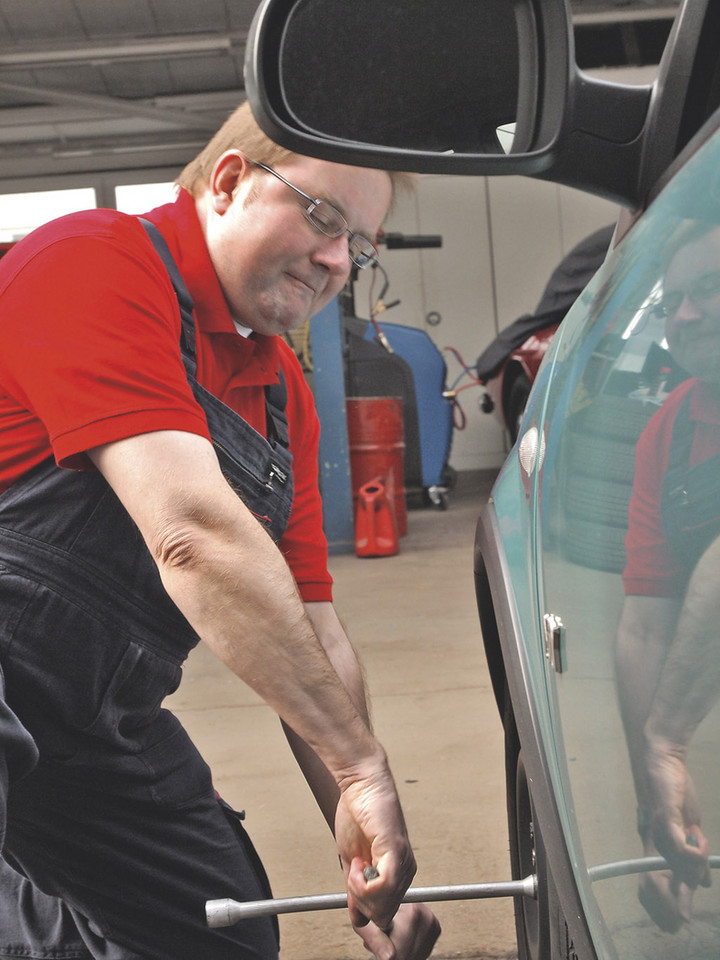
x: 627, y: 516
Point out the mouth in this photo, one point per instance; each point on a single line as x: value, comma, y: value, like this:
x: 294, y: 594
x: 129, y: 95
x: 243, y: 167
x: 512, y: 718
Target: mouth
x: 306, y: 285
x: 702, y: 340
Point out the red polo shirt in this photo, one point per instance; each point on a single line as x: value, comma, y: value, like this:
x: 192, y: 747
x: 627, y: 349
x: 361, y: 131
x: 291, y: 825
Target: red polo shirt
x: 90, y: 329
x: 651, y: 570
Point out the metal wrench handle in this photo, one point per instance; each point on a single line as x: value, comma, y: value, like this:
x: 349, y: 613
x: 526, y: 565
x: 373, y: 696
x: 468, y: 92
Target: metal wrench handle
x: 224, y: 913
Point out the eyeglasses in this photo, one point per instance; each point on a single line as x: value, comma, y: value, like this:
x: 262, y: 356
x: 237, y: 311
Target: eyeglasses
x: 328, y: 220
x: 704, y: 288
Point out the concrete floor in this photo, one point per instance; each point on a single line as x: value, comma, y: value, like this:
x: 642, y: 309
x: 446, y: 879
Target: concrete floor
x: 413, y: 621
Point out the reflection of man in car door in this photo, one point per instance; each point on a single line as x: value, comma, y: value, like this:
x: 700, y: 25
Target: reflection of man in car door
x: 668, y: 646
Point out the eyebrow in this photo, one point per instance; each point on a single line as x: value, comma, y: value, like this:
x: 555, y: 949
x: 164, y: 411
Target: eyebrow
x: 368, y: 233
x: 338, y: 206
x: 331, y: 200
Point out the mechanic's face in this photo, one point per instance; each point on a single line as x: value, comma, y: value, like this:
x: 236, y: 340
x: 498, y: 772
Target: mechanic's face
x: 691, y: 297
x: 275, y: 268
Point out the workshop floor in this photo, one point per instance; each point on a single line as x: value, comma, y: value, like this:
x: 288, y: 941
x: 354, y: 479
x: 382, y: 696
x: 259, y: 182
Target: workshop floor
x: 413, y: 620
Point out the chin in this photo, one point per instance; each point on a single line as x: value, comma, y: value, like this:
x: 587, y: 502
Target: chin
x: 278, y: 328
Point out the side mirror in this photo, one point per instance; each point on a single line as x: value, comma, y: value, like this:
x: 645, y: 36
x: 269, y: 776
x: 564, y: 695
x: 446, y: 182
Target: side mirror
x: 430, y: 85
x: 467, y: 87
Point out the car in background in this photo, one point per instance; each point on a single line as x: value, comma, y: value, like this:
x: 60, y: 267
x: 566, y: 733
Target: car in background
x: 508, y: 366
x: 622, y: 423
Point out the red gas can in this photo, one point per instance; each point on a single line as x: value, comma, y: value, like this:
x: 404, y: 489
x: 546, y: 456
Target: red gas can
x: 376, y: 533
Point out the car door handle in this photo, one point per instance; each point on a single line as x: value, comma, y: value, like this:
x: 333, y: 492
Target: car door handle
x: 555, y: 642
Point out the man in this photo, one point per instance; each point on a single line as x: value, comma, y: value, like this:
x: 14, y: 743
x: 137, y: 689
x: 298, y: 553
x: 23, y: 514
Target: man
x: 668, y: 655
x: 140, y: 513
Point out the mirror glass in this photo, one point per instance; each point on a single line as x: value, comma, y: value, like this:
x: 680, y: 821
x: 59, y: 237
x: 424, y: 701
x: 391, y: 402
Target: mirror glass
x: 417, y: 74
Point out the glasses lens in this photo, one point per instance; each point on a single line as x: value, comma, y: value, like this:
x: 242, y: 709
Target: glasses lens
x: 699, y: 291
x: 362, y: 252
x: 670, y: 302
x: 328, y: 220
x: 324, y: 217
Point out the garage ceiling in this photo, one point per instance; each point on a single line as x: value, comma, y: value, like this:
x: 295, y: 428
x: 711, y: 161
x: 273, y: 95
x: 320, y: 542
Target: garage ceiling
x: 99, y: 85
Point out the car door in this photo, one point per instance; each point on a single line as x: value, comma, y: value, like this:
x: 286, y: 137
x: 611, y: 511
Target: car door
x: 600, y: 535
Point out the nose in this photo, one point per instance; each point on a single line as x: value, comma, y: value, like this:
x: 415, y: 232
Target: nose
x: 333, y: 254
x: 688, y: 311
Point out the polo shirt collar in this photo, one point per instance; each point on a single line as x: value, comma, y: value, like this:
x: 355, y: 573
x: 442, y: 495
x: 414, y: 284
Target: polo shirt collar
x: 179, y: 224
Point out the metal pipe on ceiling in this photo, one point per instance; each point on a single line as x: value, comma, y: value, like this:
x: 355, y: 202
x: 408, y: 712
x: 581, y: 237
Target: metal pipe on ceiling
x: 157, y: 47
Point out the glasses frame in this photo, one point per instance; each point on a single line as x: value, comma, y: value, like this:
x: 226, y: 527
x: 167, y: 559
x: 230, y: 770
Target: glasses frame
x: 699, y: 292
x: 361, y: 262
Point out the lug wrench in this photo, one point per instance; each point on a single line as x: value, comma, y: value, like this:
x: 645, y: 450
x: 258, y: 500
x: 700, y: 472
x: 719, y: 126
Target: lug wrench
x: 224, y: 913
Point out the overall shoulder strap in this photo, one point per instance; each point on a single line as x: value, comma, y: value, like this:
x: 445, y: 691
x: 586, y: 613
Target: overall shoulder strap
x: 275, y: 393
x: 182, y: 293
x: 276, y: 402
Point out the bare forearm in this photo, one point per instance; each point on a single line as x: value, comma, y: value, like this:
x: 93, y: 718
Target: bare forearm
x: 344, y: 661
x: 233, y: 586
x: 690, y: 681
x: 644, y: 637
x: 340, y: 653
x: 256, y: 623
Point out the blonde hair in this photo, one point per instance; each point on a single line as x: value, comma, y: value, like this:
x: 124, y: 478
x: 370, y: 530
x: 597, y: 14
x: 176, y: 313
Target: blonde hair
x: 241, y: 132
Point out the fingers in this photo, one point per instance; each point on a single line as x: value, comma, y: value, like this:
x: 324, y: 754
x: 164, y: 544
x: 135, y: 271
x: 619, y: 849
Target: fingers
x: 411, y: 936
x: 686, y: 851
x: 376, y: 893
x: 696, y: 852
x: 676, y: 815
x: 372, y: 897
x: 668, y: 905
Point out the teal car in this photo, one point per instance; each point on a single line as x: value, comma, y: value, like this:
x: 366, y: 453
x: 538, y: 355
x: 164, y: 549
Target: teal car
x: 597, y: 558
x: 561, y: 550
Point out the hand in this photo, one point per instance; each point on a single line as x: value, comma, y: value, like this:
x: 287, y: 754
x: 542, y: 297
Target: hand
x: 667, y: 901
x: 370, y: 831
x: 411, y: 935
x: 675, y: 829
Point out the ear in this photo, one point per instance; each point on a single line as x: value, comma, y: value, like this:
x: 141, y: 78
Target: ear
x: 229, y: 171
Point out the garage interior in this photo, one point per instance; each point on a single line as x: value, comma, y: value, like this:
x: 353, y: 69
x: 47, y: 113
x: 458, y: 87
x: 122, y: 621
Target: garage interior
x: 99, y: 95
x: 102, y: 96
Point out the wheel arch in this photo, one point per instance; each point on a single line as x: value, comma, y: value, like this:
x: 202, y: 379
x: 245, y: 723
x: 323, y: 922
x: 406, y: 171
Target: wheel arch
x: 489, y: 631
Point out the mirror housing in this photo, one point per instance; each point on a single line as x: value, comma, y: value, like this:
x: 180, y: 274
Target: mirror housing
x: 402, y: 84
x: 431, y: 86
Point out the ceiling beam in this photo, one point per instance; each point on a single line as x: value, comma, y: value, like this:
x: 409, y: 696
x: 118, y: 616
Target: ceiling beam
x: 96, y: 53
x: 114, y: 105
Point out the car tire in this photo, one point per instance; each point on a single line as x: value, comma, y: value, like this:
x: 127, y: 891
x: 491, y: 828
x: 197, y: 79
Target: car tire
x: 596, y: 513
x: 602, y: 456
x: 598, y: 481
x: 598, y: 500
x: 595, y: 545
x: 615, y: 417
x: 517, y: 402
x: 527, y: 854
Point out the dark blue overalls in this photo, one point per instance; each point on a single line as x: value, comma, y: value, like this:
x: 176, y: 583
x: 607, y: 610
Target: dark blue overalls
x: 119, y: 817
